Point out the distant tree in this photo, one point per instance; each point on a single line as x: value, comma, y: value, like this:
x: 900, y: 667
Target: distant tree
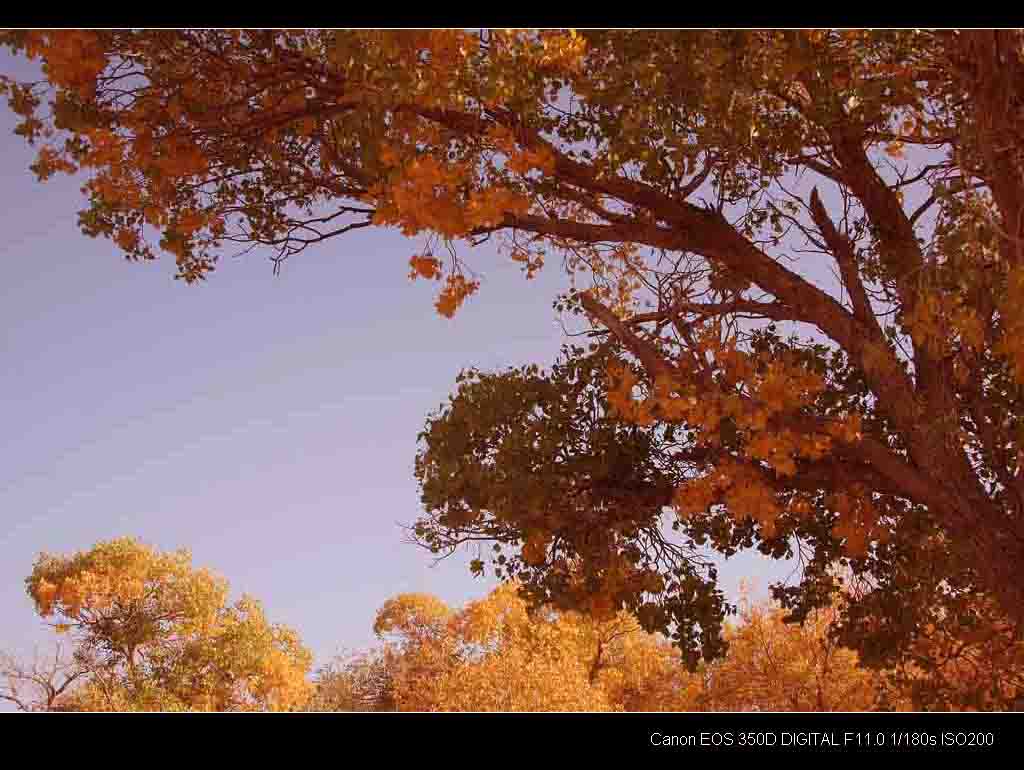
x: 152, y: 633
x: 773, y: 665
x: 362, y: 681
x: 498, y: 654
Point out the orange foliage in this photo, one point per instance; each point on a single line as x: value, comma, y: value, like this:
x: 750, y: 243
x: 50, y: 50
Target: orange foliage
x: 159, y: 635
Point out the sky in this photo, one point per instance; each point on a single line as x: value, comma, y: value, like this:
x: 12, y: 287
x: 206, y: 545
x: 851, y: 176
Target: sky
x: 266, y: 423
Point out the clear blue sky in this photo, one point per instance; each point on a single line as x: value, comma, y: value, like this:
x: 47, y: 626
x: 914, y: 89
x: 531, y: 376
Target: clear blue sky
x: 269, y: 424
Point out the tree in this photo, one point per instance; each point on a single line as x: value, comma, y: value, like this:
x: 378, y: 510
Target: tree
x: 773, y: 665
x: 715, y: 176
x: 152, y: 633
x: 487, y: 657
x: 363, y: 681
x: 501, y: 653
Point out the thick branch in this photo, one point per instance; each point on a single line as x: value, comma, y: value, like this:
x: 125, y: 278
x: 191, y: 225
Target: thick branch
x: 845, y: 257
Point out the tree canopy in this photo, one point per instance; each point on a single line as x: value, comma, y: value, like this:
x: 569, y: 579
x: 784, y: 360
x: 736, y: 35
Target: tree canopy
x: 150, y: 632
x: 501, y: 653
x: 801, y: 253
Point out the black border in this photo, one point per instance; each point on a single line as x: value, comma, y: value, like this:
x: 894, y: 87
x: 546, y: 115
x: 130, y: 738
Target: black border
x: 481, y: 738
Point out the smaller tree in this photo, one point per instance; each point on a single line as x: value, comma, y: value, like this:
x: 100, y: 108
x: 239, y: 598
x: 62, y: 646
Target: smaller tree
x: 362, y: 681
x: 502, y: 654
x: 511, y: 659
x: 775, y: 665
x: 158, y: 635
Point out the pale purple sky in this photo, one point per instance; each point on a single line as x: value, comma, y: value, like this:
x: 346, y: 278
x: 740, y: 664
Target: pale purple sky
x: 268, y: 424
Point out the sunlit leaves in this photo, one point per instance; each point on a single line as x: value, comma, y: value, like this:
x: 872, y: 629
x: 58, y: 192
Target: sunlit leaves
x: 773, y: 665
x: 160, y: 635
x: 454, y: 293
x: 501, y: 654
x: 495, y: 654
